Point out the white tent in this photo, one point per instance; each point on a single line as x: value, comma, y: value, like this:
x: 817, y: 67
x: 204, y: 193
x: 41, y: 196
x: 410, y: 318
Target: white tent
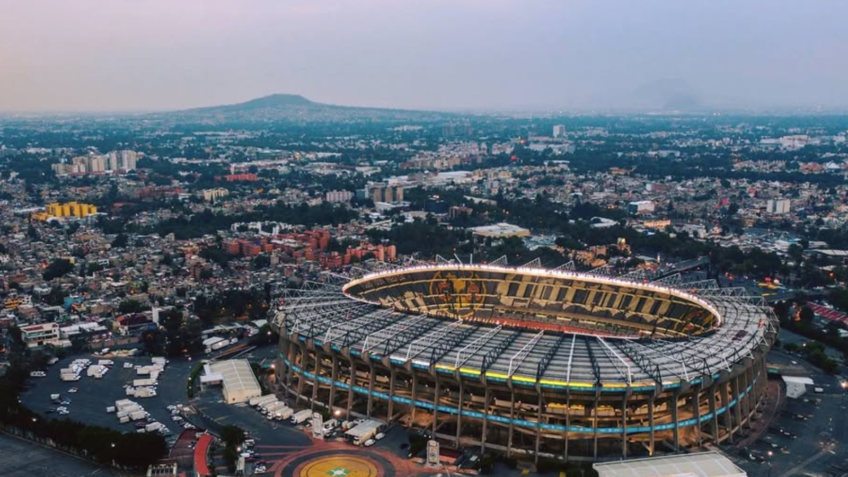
x: 240, y: 383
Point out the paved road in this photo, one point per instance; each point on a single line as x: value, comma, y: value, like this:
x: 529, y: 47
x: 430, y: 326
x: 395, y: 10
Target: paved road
x: 20, y: 458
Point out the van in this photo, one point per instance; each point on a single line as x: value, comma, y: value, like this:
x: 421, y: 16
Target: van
x: 818, y: 390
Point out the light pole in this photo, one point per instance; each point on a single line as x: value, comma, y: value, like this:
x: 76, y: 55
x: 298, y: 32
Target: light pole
x: 770, y: 453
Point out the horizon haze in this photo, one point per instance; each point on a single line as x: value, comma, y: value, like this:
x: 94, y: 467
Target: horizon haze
x: 466, y: 55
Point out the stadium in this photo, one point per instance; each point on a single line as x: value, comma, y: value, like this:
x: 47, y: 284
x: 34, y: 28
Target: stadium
x: 530, y: 361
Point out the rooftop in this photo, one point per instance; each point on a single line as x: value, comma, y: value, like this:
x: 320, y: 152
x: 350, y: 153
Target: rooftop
x: 704, y: 464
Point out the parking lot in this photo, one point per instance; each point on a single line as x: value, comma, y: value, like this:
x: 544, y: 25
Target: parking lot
x: 89, y: 403
x: 807, y: 436
x: 20, y: 458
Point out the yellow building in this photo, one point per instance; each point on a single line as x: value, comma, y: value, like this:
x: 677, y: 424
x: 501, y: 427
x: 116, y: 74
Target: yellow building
x: 68, y: 209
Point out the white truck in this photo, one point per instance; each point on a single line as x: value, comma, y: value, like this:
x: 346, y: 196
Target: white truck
x: 358, y: 435
x: 257, y: 401
x: 283, y: 414
x: 69, y: 377
x: 123, y: 404
x: 110, y: 409
x: 145, y: 392
x: 272, y: 407
x: 154, y: 427
x: 301, y: 416
x: 271, y: 410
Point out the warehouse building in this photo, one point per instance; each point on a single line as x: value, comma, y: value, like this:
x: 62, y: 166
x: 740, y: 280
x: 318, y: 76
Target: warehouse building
x: 237, y: 378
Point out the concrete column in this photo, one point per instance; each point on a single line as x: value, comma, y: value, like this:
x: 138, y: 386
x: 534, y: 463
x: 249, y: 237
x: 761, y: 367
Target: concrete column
x: 316, y: 370
x: 392, y: 380
x: 595, y: 425
x: 414, y: 393
x: 725, y: 403
x: 675, y: 397
x: 714, y: 419
x: 511, y: 424
x: 370, y: 388
x: 350, y: 386
x: 538, y: 426
x: 485, y: 421
x: 301, y: 379
x: 737, y: 414
x: 459, y: 410
x: 746, y: 400
x: 651, y: 424
x: 289, y: 371
x: 436, y: 405
x: 624, y: 426
x: 567, y: 419
x: 696, y: 412
x: 333, y: 378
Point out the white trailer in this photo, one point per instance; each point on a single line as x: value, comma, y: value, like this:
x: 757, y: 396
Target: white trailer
x: 144, y: 392
x: 219, y: 345
x: 271, y: 410
x: 361, y: 433
x: 214, y: 343
x: 143, y: 382
x: 258, y: 401
x: 283, y: 414
x: 301, y: 416
x: 154, y: 427
x: 69, y: 377
x: 123, y: 404
x: 124, y: 419
x: 138, y: 415
x: 272, y: 407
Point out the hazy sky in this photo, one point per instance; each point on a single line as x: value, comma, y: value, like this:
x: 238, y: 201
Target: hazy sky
x: 437, y: 54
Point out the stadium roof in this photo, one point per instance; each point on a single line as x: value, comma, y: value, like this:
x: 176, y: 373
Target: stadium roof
x: 704, y: 464
x: 579, y: 359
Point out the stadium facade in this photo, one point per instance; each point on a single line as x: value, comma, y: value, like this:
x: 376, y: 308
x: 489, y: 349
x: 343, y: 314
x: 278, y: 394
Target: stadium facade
x: 528, y: 361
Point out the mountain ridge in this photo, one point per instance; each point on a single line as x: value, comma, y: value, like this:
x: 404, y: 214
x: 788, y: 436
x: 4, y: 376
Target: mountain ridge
x: 288, y: 107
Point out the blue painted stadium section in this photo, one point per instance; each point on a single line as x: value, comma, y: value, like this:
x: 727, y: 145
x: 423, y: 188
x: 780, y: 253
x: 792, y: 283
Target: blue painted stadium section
x: 521, y: 422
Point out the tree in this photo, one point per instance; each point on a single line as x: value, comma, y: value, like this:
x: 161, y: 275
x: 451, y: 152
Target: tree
x: 121, y: 241
x: 181, y: 336
x: 796, y: 252
x: 58, y: 268
x: 56, y: 297
x: 806, y: 314
x: 130, y: 306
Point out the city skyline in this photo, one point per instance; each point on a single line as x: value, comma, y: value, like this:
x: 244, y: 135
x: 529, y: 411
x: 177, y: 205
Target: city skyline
x: 469, y: 55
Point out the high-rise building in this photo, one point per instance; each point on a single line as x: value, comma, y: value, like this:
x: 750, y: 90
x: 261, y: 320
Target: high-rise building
x: 128, y: 160
x: 381, y: 192
x: 113, y: 161
x: 559, y: 131
x: 96, y: 164
x: 778, y: 206
x: 337, y: 196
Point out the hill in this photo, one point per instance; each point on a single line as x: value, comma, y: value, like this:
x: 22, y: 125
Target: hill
x: 291, y: 108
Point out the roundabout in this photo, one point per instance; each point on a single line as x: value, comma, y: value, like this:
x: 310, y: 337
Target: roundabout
x: 335, y: 463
